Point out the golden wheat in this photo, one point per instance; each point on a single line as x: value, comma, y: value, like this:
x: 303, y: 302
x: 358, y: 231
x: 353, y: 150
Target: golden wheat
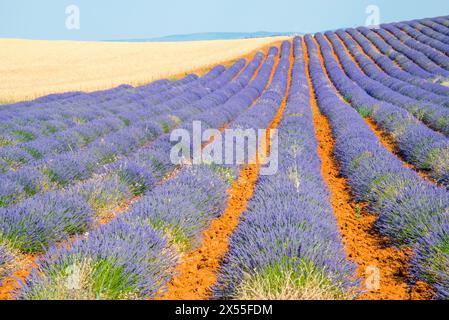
x: 33, y: 68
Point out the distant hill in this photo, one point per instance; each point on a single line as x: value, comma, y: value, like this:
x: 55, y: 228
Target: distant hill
x: 211, y: 36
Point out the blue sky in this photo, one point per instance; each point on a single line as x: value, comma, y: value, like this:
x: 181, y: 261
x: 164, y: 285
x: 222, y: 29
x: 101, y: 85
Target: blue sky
x: 119, y: 19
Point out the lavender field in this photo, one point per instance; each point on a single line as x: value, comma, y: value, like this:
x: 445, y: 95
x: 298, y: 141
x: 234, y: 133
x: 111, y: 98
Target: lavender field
x: 92, y: 205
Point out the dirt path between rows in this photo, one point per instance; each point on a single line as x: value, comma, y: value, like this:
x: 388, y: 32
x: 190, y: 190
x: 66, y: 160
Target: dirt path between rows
x: 198, y: 269
x: 383, y: 268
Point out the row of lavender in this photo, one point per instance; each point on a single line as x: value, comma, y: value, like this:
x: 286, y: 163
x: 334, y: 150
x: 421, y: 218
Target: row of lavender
x: 426, y: 57
x: 392, y: 64
x: 440, y: 24
x: 70, y: 101
x: 424, y: 42
x: 134, y: 255
x: 43, y: 219
x: 402, y: 60
x: 287, y: 245
x: 65, y: 161
x: 435, y: 50
x: 421, y: 146
x: 83, y: 129
x: 20, y: 126
x: 425, y: 35
x: 411, y: 211
x: 386, y: 88
x: 412, y: 90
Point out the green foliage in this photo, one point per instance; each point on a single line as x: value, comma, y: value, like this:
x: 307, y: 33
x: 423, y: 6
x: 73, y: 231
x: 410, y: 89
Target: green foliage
x: 290, y: 279
x: 23, y: 135
x: 364, y: 112
x: 85, y: 279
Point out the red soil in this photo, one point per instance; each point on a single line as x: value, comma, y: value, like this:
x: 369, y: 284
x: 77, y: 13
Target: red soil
x: 198, y: 269
x: 12, y: 283
x: 364, y: 246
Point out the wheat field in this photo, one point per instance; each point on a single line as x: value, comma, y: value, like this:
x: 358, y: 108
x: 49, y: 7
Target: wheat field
x: 33, y: 68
